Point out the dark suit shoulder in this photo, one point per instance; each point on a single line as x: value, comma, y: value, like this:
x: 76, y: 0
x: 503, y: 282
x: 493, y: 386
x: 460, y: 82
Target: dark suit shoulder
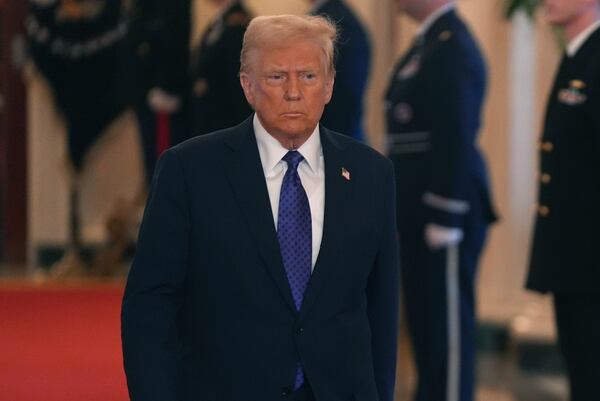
x: 358, y: 151
x: 213, y: 143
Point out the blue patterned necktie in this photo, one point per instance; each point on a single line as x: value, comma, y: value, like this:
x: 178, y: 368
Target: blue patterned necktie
x: 294, y: 233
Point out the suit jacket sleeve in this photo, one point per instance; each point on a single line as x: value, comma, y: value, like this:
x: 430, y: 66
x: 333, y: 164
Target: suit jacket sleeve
x: 153, y: 295
x: 383, y: 297
x: 455, y: 90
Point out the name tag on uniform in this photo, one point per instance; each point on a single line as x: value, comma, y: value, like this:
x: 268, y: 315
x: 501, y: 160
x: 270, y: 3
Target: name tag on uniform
x: 572, y: 95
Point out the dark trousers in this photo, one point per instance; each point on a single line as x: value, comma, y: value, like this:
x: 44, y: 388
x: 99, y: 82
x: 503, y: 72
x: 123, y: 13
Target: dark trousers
x: 440, y: 309
x: 578, y: 324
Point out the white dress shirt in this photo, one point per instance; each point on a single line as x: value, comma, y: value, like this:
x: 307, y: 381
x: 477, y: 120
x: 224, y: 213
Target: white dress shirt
x: 578, y: 41
x: 311, y: 171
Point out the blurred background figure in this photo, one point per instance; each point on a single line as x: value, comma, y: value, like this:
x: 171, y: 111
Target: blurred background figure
x: 74, y: 44
x: 345, y: 111
x: 157, y: 52
x: 433, y: 111
x: 217, y: 97
x: 564, y: 257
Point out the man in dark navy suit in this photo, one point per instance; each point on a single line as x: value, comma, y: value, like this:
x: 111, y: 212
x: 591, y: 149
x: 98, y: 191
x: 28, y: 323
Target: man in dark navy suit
x: 564, y: 257
x: 267, y: 265
x: 433, y: 111
x: 345, y: 111
x: 217, y: 99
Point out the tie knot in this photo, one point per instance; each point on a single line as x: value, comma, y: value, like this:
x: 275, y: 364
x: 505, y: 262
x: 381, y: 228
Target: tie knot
x: 293, y: 159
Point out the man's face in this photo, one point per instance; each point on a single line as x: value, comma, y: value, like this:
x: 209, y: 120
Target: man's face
x: 288, y: 87
x: 562, y: 12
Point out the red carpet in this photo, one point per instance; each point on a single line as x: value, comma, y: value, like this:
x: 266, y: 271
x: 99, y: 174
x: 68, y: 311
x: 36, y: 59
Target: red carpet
x: 61, y: 343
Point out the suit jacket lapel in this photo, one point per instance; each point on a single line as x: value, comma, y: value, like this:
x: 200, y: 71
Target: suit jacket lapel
x: 337, y: 189
x: 247, y: 179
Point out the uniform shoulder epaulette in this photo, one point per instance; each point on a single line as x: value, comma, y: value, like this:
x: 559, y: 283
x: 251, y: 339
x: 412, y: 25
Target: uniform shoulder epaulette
x: 445, y: 36
x: 237, y: 19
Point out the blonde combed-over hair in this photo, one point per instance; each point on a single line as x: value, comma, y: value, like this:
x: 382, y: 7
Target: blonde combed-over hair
x: 274, y: 31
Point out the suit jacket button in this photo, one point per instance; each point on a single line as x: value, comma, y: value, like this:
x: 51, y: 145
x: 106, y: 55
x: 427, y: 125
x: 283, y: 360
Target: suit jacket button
x: 285, y: 391
x: 544, y: 211
x: 300, y: 330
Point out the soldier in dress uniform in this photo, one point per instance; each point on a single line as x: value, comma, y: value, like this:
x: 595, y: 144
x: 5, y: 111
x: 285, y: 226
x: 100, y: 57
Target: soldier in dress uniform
x: 157, y: 53
x: 345, y: 111
x: 217, y: 97
x: 433, y: 115
x: 564, y: 259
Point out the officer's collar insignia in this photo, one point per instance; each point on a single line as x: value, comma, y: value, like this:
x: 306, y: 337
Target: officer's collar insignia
x: 572, y: 95
x: 411, y: 68
x: 445, y: 36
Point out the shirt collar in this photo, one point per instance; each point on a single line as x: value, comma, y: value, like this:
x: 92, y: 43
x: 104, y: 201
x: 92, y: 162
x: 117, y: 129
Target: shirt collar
x: 575, y: 44
x: 433, y: 17
x: 271, y: 151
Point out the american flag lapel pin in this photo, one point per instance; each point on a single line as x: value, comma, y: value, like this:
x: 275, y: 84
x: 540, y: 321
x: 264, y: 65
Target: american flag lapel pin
x: 345, y: 174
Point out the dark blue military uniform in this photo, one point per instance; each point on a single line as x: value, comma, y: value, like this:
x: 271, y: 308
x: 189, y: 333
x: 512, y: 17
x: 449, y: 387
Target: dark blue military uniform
x: 218, y: 100
x: 564, y: 257
x: 344, y: 113
x: 157, y: 54
x: 433, y: 109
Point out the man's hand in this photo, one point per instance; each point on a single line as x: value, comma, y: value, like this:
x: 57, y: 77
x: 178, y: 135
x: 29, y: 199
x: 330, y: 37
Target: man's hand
x: 162, y: 102
x: 438, y: 237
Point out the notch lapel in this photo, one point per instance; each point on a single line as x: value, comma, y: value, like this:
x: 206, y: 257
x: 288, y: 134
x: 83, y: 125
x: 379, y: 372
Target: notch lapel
x: 247, y: 179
